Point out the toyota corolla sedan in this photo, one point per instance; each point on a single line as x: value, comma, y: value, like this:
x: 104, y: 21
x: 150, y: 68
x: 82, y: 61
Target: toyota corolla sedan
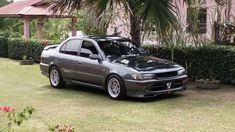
x: 115, y: 64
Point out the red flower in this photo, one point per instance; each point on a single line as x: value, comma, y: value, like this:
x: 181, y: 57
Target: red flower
x: 7, y: 109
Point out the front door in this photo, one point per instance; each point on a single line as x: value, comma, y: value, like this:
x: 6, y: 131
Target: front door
x: 91, y: 71
x: 68, y: 59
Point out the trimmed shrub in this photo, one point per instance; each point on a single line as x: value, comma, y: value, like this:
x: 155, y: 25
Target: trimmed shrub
x: 26, y: 49
x: 206, y: 62
x: 3, y: 47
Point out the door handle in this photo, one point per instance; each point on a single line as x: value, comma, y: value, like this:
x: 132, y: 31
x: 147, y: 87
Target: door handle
x: 59, y: 60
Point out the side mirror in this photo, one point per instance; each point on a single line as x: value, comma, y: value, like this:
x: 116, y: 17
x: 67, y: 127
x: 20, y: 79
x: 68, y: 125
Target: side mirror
x: 94, y: 57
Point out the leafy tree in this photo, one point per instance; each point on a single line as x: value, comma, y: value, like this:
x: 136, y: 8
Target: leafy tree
x: 10, y: 27
x: 5, y: 2
x: 54, y: 29
x: 157, y: 14
x: 88, y: 24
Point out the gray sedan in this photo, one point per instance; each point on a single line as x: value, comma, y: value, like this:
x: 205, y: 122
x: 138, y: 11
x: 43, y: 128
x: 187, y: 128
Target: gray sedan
x: 116, y: 64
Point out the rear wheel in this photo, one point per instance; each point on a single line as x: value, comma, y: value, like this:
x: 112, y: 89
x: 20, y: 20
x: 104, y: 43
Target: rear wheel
x: 55, y: 78
x: 115, y: 87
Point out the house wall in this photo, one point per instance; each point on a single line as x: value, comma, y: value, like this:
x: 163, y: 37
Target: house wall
x: 122, y: 25
x: 233, y: 10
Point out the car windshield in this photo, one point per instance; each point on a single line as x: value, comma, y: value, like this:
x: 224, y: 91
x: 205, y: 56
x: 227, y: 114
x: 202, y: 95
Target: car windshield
x: 121, y: 48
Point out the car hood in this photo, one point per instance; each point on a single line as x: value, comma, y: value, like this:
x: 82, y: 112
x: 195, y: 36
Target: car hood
x: 146, y: 63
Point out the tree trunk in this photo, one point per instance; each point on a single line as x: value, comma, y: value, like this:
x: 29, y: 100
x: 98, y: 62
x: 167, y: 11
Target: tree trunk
x: 135, y: 27
x: 217, y: 33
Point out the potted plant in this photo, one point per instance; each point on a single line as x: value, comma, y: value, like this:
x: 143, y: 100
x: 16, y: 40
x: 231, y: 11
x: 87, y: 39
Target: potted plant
x: 26, y: 61
x: 208, y: 83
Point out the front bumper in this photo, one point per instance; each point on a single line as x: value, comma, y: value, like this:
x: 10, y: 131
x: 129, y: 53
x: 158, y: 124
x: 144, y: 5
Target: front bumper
x: 150, y: 88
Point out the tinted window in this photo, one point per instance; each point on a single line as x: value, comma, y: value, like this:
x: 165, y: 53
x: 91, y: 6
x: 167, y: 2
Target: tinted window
x: 62, y: 49
x: 87, y: 49
x: 71, y: 47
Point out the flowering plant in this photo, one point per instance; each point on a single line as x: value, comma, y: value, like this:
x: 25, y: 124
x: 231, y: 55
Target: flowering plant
x: 62, y: 128
x: 16, y: 118
x: 7, y: 109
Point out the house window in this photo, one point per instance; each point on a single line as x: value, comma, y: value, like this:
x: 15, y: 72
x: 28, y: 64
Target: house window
x: 196, y: 20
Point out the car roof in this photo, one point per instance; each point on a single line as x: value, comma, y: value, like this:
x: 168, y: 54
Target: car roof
x: 102, y: 38
x: 108, y: 38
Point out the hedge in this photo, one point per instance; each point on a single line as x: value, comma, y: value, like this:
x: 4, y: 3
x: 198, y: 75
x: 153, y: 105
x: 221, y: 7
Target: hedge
x: 3, y: 47
x: 23, y: 49
x: 206, y: 62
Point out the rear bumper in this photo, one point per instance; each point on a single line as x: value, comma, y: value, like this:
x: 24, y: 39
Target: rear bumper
x: 149, y: 88
x: 44, y: 69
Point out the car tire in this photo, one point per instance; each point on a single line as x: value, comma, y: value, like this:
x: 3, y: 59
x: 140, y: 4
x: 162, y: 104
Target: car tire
x: 115, y: 87
x: 55, y: 78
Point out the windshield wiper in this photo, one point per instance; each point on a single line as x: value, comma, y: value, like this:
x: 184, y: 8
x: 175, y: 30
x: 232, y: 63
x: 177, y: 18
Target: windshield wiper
x: 131, y: 55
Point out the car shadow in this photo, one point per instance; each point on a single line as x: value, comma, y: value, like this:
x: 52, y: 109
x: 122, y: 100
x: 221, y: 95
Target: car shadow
x: 82, y: 88
x: 101, y: 92
x: 156, y: 98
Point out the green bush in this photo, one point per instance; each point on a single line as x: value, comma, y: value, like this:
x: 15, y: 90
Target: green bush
x: 31, y: 49
x: 206, y: 62
x: 3, y: 47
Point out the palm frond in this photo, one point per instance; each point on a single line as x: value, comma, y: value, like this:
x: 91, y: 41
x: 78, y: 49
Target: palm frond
x: 99, y: 7
x: 159, y: 14
x: 152, y: 13
x: 62, y: 6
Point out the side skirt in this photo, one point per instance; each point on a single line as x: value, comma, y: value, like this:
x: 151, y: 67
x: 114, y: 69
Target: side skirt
x: 86, y: 84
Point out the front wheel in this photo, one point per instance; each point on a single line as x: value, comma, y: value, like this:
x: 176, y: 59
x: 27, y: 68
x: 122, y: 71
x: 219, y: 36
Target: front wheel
x: 56, y: 78
x: 115, y: 87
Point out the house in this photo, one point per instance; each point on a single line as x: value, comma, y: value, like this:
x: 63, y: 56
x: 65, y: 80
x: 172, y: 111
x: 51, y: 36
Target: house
x: 210, y: 12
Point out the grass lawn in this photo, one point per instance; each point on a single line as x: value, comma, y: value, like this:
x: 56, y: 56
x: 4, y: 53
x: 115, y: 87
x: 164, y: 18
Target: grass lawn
x: 89, y: 109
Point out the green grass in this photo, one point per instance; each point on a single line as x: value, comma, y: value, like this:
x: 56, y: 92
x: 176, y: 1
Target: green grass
x: 90, y: 109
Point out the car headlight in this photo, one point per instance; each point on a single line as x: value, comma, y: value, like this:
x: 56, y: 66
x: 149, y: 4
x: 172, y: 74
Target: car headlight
x: 181, y: 72
x: 142, y: 76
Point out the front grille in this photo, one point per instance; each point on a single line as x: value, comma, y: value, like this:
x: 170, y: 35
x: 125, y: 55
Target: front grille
x: 163, y: 86
x: 166, y: 74
x: 158, y: 87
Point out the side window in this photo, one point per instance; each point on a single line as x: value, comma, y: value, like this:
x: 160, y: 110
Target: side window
x: 87, y: 49
x: 62, y: 49
x: 71, y: 47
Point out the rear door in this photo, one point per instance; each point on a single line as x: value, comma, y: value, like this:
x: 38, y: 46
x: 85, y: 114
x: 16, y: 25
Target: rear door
x: 68, y: 59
